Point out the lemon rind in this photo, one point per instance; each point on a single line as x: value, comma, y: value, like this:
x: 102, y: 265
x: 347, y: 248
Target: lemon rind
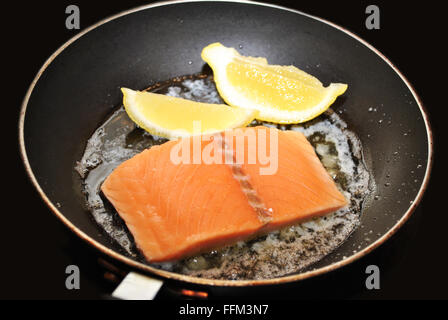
x: 155, y: 129
x: 217, y: 52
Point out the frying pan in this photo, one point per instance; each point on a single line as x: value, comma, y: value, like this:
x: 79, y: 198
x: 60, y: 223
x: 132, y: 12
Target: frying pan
x: 78, y: 87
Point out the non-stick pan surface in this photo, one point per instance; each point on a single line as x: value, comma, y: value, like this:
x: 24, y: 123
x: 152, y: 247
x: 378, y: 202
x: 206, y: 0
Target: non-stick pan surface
x: 78, y: 87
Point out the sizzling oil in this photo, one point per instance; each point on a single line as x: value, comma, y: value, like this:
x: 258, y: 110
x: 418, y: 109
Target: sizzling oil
x: 281, y: 252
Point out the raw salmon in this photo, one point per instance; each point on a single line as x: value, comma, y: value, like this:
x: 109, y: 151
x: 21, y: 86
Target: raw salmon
x: 178, y: 208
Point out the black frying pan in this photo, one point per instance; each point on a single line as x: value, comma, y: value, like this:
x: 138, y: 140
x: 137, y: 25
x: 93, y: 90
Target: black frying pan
x: 78, y: 87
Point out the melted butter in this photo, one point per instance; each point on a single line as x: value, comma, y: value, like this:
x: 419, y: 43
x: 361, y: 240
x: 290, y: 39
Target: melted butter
x: 278, y: 253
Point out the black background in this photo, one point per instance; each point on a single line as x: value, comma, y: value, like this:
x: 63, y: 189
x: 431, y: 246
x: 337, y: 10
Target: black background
x: 36, y: 247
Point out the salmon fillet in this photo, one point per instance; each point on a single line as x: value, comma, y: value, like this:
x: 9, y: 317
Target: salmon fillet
x: 178, y: 208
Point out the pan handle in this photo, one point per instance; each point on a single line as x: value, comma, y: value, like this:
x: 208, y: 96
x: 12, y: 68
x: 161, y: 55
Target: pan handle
x: 135, y: 286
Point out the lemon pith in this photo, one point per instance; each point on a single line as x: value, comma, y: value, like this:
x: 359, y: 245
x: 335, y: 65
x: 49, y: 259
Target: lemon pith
x: 174, y: 118
x: 281, y: 94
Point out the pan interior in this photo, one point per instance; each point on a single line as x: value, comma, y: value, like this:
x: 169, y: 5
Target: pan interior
x: 278, y: 253
x: 79, y: 88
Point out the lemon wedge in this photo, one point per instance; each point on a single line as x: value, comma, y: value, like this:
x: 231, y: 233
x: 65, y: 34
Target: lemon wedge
x: 281, y: 94
x: 174, y: 118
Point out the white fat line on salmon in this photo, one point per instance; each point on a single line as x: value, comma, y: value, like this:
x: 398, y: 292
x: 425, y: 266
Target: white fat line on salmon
x: 260, y: 149
x: 264, y: 214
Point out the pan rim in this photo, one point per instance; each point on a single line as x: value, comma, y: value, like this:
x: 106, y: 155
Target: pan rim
x: 226, y: 283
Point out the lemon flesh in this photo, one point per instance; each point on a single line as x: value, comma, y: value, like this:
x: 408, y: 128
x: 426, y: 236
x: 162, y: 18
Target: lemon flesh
x: 281, y: 94
x: 174, y: 118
